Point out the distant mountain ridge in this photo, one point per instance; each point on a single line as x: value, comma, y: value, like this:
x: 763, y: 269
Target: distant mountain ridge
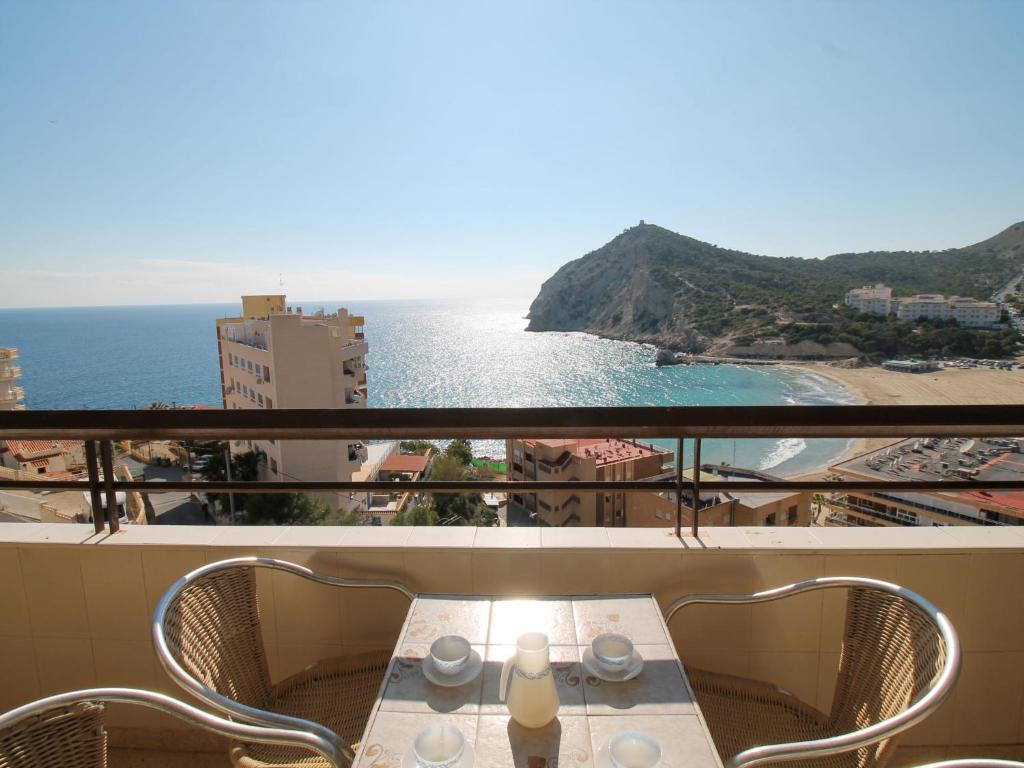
x: 650, y: 284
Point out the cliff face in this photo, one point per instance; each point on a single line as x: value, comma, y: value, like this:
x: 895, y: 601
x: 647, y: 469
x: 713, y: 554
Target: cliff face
x: 652, y: 285
x: 625, y: 290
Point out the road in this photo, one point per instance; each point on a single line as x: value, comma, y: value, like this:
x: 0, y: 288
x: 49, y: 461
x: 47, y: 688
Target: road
x: 1000, y: 296
x: 174, y: 507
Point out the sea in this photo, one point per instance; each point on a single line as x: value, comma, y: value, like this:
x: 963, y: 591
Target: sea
x: 425, y: 353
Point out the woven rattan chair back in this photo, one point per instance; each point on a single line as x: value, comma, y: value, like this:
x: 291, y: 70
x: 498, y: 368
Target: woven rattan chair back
x: 213, y: 630
x: 891, y: 654
x: 69, y: 737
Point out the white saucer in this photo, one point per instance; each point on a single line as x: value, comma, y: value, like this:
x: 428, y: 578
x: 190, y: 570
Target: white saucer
x: 590, y: 666
x: 463, y: 676
x: 468, y: 757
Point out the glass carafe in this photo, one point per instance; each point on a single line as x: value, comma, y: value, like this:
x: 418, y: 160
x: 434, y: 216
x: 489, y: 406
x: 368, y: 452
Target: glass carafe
x: 528, y: 682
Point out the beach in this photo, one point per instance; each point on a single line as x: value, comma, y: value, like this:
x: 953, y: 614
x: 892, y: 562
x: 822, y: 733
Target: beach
x: 947, y: 386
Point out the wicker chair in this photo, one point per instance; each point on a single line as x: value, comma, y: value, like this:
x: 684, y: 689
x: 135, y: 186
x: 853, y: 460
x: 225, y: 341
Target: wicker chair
x: 207, y: 635
x: 899, y: 661
x: 67, y: 730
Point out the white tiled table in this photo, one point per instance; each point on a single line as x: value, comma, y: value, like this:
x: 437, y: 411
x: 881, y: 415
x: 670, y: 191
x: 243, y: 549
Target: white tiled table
x: 658, y: 701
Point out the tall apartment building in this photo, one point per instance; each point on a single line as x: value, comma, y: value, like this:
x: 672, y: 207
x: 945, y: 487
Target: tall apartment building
x: 934, y: 459
x: 970, y: 313
x: 11, y: 395
x: 275, y: 357
x: 874, y: 300
x: 585, y: 460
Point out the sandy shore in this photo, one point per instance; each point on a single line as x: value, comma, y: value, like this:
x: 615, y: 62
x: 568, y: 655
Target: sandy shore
x: 949, y: 386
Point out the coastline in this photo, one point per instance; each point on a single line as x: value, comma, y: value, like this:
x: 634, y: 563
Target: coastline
x: 947, y: 386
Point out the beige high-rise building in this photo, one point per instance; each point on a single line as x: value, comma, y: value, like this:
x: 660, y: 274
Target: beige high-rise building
x: 274, y: 356
x: 589, y: 460
x: 11, y: 395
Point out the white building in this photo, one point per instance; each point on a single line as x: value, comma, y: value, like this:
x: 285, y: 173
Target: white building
x: 273, y: 357
x: 924, y: 306
x: 974, y: 314
x: 876, y: 300
x: 969, y: 313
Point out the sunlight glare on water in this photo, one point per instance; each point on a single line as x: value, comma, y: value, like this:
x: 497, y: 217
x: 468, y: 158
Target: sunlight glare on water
x: 428, y: 353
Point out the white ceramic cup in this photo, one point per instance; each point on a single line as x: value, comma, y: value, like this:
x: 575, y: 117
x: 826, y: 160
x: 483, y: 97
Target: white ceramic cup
x: 450, y: 654
x: 612, y: 652
x: 439, y: 746
x: 633, y: 749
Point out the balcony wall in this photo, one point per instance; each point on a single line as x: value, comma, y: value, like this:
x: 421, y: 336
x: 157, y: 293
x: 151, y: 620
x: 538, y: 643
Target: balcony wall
x: 75, y: 607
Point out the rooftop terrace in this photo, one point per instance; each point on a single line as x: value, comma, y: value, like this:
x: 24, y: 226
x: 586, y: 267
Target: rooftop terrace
x: 603, y: 450
x: 979, y: 459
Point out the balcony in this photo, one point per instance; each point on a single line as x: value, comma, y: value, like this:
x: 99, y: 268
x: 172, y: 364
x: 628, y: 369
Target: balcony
x: 354, y: 348
x: 76, y: 608
x: 12, y: 395
x: 77, y: 602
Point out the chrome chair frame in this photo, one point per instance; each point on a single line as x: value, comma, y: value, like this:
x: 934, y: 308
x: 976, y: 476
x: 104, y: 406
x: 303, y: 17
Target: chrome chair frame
x: 183, y: 711
x: 228, y: 705
x: 915, y: 713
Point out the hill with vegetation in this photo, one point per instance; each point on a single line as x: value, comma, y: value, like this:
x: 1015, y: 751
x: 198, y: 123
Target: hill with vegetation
x: 656, y: 286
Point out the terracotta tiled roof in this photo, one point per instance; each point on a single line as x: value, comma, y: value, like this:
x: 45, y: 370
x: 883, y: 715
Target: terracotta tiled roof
x: 404, y: 462
x: 25, y: 450
x: 1013, y: 500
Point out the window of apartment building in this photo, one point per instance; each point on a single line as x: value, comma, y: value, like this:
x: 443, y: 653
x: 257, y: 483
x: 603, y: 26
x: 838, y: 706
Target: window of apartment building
x: 270, y: 403
x: 791, y: 514
x: 273, y: 466
x: 260, y: 399
x: 266, y: 373
x: 999, y: 517
x: 770, y: 519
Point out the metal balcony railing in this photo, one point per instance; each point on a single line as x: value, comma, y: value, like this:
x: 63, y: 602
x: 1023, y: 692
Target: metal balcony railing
x: 100, y: 428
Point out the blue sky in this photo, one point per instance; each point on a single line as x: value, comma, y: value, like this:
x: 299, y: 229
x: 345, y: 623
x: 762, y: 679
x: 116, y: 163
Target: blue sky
x: 192, y: 151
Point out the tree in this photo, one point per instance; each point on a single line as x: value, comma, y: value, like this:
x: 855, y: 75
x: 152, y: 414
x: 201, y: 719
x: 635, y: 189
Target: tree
x: 244, y: 467
x: 417, y: 446
x: 460, y: 450
x: 293, y: 509
x: 421, y: 514
x: 458, y: 508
